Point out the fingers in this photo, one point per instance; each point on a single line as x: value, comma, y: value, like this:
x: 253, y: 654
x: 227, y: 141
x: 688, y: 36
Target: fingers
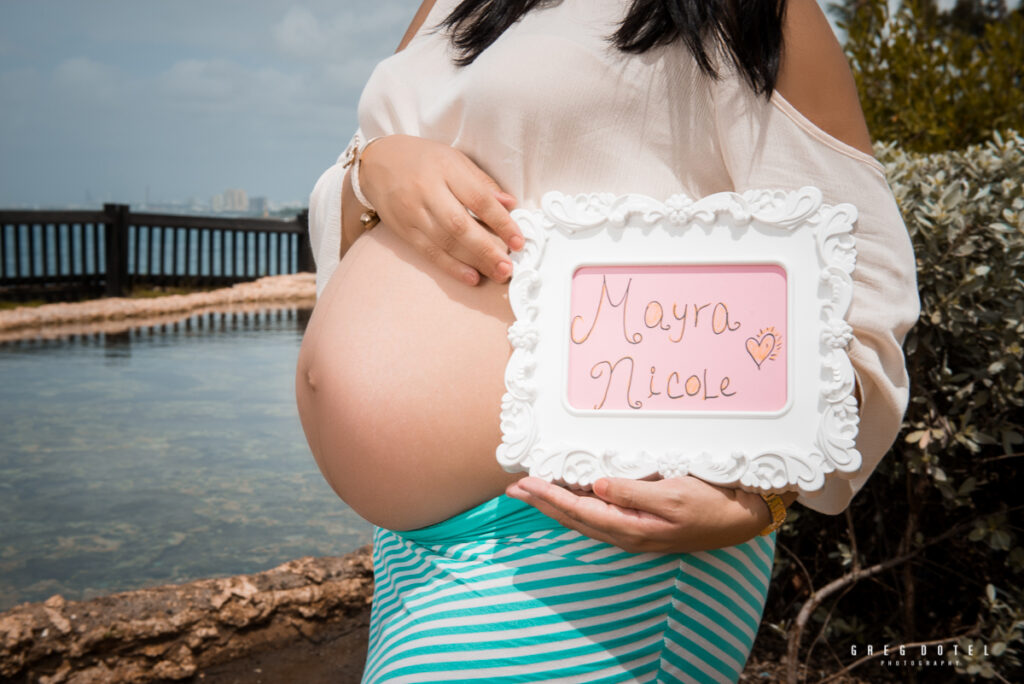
x: 516, y: 241
x: 562, y: 518
x: 464, y: 239
x: 441, y: 258
x: 480, y: 194
x: 507, y: 200
x: 628, y: 530
x: 639, y: 494
x: 443, y: 204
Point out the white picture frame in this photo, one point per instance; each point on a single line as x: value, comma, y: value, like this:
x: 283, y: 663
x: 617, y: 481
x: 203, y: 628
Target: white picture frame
x: 793, y: 447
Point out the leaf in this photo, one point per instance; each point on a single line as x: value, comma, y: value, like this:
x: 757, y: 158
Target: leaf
x: 915, y: 436
x: 1000, y: 540
x: 968, y: 486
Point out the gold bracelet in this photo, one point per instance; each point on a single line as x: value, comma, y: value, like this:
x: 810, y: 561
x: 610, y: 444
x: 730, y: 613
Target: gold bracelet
x: 777, y: 507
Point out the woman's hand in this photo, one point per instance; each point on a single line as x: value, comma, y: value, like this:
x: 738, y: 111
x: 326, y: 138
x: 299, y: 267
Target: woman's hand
x: 424, y: 190
x: 673, y: 515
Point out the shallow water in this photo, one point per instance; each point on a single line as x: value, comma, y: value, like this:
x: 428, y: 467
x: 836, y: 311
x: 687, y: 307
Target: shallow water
x: 158, y: 455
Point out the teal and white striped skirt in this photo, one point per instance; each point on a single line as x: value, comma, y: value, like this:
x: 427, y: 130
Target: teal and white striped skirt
x: 503, y: 593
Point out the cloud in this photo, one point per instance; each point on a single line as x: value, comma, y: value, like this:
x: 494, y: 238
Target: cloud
x: 342, y: 35
x: 300, y: 35
x: 245, y: 93
x: 203, y: 80
x: 349, y: 74
x: 86, y: 78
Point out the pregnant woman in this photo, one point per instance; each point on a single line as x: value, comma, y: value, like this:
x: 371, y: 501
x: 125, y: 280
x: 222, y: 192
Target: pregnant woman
x: 481, y: 574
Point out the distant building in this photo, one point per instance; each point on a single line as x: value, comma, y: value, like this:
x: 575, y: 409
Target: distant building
x: 233, y: 201
x: 259, y: 206
x: 236, y: 200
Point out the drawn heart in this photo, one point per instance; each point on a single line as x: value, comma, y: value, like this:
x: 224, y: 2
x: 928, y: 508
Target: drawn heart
x: 760, y: 349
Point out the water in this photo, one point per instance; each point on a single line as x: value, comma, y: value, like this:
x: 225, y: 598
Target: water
x: 158, y: 455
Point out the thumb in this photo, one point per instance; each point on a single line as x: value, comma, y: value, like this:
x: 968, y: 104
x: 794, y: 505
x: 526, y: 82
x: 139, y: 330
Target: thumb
x: 638, y: 494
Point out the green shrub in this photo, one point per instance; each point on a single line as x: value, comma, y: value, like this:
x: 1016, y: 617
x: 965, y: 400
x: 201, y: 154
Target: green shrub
x: 949, y: 495
x: 934, y: 81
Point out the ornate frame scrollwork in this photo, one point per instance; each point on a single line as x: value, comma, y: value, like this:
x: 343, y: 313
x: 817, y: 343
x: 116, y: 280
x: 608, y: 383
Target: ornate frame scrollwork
x: 794, y: 449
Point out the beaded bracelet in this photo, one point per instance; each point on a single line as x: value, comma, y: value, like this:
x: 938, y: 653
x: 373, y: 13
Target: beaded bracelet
x: 357, y: 164
x: 353, y: 157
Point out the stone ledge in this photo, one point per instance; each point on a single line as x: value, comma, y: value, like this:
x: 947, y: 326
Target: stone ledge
x: 171, y: 632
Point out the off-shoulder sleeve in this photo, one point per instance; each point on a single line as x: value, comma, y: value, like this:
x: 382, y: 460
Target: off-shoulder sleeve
x: 771, y: 145
x: 325, y: 220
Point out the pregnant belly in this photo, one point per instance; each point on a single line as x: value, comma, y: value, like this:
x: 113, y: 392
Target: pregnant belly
x: 399, y: 385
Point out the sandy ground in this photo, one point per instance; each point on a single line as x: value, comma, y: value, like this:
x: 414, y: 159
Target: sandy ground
x: 117, y: 314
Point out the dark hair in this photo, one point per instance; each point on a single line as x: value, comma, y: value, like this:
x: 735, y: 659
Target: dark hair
x: 749, y: 30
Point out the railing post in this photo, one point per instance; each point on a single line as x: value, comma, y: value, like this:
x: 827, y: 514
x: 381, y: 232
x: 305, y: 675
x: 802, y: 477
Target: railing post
x: 306, y: 262
x: 116, y: 249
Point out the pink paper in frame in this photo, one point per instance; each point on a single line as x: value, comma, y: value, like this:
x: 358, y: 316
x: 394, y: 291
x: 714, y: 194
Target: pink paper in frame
x: 680, y: 337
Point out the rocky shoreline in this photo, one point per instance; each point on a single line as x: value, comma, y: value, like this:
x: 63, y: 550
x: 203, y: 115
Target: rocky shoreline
x: 117, y: 314
x: 176, y: 632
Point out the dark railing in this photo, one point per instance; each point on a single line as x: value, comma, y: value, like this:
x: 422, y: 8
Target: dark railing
x: 72, y: 254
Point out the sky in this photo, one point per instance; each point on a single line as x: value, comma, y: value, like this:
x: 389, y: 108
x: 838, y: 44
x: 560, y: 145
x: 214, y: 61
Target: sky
x: 108, y: 100
x: 105, y: 98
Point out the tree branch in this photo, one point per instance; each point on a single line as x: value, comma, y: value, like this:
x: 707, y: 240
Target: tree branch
x: 832, y: 587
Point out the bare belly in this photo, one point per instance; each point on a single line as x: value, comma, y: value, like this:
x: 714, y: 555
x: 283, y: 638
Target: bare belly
x: 399, y: 385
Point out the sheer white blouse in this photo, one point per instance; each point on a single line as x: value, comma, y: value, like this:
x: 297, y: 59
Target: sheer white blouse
x: 551, y: 105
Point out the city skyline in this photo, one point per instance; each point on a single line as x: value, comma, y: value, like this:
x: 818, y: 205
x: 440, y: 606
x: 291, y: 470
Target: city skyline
x: 230, y: 201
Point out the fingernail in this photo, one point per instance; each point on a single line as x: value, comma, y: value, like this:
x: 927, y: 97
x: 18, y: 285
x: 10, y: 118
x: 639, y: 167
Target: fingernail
x: 469, y: 277
x: 504, y: 269
x: 516, y: 242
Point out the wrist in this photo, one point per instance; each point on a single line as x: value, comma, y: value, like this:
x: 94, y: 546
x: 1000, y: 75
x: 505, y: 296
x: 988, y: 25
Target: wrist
x: 355, y: 161
x: 364, y: 155
x: 351, y: 225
